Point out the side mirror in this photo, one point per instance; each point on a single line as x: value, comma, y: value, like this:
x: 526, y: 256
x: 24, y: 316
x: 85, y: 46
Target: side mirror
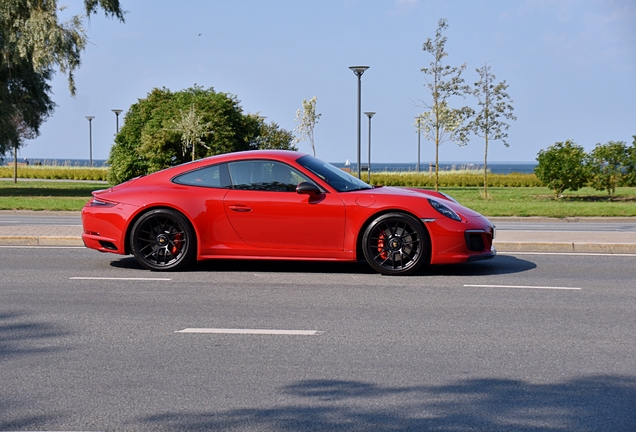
x: 307, y: 188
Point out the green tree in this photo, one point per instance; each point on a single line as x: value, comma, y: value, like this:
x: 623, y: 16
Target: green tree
x: 562, y: 166
x: 307, y: 119
x: 272, y: 136
x: 157, y: 127
x: 495, y: 108
x: 25, y: 104
x: 608, y: 164
x: 630, y: 178
x: 441, y: 122
x: 33, y: 44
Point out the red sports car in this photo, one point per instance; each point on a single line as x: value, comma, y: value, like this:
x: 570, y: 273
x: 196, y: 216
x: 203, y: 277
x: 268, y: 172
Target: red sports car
x: 280, y: 205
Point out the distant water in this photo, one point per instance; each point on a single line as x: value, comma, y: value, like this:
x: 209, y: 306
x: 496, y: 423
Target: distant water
x: 495, y: 167
x: 60, y: 162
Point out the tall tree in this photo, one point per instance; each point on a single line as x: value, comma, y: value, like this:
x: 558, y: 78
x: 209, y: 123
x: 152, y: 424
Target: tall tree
x: 307, y: 119
x: 24, y: 132
x: 157, y: 127
x: 272, y: 136
x: 33, y: 45
x: 495, y: 108
x: 443, y: 123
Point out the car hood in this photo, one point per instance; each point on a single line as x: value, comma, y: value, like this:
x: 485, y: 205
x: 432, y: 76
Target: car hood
x: 386, y: 192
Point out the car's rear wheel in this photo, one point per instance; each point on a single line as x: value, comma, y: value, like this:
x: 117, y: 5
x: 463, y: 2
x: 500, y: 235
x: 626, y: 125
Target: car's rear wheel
x: 395, y: 244
x: 163, y: 239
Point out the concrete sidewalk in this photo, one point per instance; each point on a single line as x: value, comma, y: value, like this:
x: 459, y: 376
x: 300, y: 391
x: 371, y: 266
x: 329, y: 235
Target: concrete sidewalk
x: 506, y: 241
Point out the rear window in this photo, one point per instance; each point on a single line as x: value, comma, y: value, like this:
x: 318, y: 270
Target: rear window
x: 215, y: 176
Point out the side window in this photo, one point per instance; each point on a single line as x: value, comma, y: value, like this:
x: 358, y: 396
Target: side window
x: 265, y: 176
x: 215, y: 176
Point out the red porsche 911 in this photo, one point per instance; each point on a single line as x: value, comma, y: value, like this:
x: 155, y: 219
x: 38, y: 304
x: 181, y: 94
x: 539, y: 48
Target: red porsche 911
x: 280, y: 205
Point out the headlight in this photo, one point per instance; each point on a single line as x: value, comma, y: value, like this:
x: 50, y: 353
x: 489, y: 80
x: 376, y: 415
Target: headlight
x: 449, y: 213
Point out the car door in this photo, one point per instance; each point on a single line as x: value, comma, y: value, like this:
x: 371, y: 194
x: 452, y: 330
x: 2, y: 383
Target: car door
x: 265, y: 210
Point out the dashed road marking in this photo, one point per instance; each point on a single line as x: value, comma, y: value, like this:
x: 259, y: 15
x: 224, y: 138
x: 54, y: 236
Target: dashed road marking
x: 119, y: 278
x: 523, y: 287
x: 251, y: 331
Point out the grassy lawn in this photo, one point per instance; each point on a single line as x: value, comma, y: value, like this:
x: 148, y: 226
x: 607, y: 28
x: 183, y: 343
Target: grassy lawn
x: 38, y: 195
x: 539, y: 201
x: 503, y: 201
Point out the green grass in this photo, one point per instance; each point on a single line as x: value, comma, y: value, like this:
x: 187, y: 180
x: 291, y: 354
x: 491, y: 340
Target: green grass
x: 503, y: 201
x: 539, y: 201
x: 38, y: 195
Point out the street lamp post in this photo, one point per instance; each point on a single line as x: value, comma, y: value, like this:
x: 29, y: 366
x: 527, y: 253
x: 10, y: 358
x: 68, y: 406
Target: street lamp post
x: 90, y: 137
x: 369, y: 114
x: 418, y: 119
x: 359, y: 70
x: 117, y: 112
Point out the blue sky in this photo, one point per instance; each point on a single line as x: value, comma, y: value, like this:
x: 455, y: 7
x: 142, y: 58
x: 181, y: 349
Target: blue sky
x: 570, y: 66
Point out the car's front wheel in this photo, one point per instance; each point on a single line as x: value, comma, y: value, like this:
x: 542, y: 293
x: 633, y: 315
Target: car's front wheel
x: 395, y: 244
x: 163, y: 239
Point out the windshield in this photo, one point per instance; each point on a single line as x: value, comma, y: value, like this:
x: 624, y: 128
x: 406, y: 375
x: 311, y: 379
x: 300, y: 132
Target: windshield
x: 336, y: 178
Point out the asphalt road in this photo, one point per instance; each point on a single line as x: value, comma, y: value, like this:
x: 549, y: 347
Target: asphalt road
x: 91, y: 342
x: 602, y: 225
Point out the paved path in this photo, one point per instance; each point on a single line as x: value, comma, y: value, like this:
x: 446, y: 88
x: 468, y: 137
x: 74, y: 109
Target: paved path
x: 585, y: 235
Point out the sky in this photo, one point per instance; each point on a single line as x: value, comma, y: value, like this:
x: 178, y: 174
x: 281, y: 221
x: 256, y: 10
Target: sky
x: 570, y: 66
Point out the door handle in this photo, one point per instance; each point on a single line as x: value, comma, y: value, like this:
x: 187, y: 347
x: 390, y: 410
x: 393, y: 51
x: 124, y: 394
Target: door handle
x: 240, y: 208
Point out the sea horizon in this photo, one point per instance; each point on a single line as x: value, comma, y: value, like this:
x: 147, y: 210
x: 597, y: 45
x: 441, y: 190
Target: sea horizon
x: 495, y: 167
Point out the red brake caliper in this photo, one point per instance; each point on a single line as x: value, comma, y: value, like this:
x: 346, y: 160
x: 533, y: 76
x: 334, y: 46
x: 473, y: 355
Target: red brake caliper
x: 177, y: 241
x: 383, y: 253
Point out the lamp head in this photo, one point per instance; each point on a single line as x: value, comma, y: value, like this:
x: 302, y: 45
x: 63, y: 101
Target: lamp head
x: 358, y: 70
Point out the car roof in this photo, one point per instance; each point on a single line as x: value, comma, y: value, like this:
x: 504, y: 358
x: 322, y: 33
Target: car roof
x: 281, y: 155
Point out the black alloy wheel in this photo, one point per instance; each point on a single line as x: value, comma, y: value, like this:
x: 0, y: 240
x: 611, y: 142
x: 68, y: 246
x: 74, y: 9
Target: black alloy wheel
x: 395, y: 244
x: 163, y: 239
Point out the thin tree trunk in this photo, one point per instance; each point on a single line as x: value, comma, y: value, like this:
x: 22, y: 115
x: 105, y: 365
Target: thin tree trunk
x: 437, y: 159
x: 15, y: 164
x: 486, y: 169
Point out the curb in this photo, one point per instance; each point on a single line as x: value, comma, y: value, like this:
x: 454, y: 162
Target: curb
x: 562, y: 247
x: 40, y: 241
x: 566, y: 247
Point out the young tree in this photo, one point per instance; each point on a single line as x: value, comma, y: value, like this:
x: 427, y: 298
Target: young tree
x: 33, y: 43
x: 192, y: 128
x: 495, y: 108
x: 608, y: 165
x: 443, y: 123
x: 307, y: 119
x: 562, y: 166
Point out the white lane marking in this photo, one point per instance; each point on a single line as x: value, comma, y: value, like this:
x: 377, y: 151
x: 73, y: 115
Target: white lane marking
x: 567, y: 253
x: 119, y: 278
x: 523, y: 287
x: 250, y: 331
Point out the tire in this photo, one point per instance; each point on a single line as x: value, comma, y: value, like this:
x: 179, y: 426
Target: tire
x: 163, y: 240
x: 395, y: 244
